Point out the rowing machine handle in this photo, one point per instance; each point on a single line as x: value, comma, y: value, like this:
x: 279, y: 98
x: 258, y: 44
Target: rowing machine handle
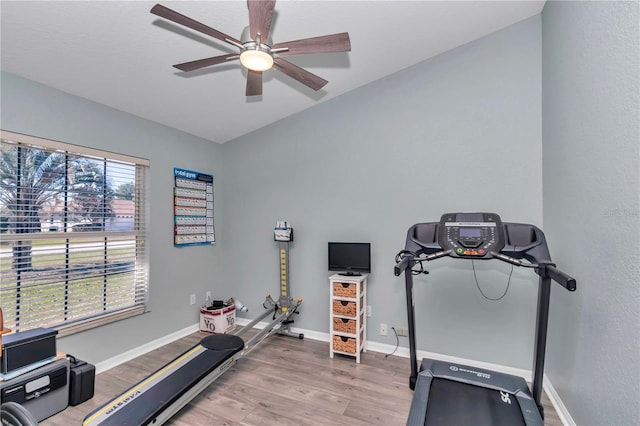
x: 561, y: 278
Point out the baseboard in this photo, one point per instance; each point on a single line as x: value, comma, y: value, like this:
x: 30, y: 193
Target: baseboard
x: 143, y: 349
x: 561, y: 409
x: 308, y: 334
x: 401, y: 351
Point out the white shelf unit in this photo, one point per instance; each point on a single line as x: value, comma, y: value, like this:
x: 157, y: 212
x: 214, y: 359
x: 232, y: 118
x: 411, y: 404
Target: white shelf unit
x: 347, y: 313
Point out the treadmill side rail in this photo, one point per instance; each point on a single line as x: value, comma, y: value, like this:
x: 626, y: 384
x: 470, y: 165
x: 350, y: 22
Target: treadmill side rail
x: 418, y: 410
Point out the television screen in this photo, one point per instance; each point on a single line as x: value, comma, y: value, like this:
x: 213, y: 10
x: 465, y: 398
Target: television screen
x: 350, y: 258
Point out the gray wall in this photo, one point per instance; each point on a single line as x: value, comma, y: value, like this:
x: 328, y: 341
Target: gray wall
x: 459, y: 132
x: 175, y: 273
x: 591, y: 169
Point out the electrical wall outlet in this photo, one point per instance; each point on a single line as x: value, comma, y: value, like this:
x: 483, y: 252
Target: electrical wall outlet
x: 383, y: 329
x: 368, y: 310
x: 402, y: 332
x: 193, y: 299
x: 207, y: 296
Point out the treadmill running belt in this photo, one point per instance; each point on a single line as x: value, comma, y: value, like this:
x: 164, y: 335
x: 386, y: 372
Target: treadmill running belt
x: 143, y: 402
x: 459, y: 404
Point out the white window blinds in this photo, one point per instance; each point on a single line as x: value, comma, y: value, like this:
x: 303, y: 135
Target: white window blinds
x: 73, y: 249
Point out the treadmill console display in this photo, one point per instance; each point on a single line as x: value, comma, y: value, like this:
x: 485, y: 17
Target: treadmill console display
x: 472, y: 235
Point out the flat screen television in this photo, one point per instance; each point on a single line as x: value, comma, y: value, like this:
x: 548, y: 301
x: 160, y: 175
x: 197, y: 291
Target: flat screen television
x: 350, y: 258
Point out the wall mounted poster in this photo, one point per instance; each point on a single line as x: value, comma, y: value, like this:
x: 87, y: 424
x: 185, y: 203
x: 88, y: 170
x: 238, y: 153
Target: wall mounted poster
x: 192, y: 208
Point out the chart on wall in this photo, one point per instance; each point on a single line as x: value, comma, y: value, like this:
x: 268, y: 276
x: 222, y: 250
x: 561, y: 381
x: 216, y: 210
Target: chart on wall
x: 193, y: 208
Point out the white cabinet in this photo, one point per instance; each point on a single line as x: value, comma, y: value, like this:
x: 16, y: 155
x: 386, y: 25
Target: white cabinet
x: 348, y: 318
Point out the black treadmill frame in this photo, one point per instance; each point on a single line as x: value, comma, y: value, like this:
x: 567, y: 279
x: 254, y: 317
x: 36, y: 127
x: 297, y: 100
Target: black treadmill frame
x: 522, y: 241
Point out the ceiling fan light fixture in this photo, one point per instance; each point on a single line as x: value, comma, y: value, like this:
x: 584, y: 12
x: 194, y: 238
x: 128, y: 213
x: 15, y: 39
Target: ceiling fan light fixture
x: 256, y: 59
x: 257, y: 52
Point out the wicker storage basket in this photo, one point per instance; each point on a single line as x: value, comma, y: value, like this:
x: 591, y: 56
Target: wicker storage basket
x: 344, y: 344
x: 342, y: 307
x: 344, y: 325
x: 344, y: 289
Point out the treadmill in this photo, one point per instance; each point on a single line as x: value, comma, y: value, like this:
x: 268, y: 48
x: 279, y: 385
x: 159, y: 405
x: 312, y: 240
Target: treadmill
x: 448, y: 393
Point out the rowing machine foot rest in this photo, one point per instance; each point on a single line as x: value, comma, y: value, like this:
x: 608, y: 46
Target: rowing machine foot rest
x: 223, y: 342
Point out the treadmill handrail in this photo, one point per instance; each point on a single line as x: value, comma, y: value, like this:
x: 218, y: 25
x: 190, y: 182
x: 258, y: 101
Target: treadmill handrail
x: 548, y: 270
x: 560, y: 277
x: 402, y: 264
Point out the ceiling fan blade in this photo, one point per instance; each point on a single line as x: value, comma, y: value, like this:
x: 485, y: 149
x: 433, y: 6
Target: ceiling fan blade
x: 254, y: 83
x: 300, y: 74
x: 206, y: 62
x: 321, y: 44
x: 260, y: 14
x: 172, y: 15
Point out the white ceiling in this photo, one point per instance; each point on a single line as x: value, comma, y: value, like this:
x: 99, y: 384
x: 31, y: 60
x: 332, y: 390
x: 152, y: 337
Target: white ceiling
x: 118, y: 54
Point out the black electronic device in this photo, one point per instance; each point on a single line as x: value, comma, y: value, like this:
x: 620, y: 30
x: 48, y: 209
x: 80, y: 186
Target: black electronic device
x: 27, y: 347
x: 474, y: 235
x: 349, y: 258
x: 43, y: 391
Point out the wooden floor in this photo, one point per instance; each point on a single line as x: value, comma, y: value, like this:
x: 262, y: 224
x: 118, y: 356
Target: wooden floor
x: 284, y: 381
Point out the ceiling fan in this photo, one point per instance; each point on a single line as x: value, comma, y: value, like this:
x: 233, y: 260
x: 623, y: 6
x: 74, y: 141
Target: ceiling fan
x: 255, y: 52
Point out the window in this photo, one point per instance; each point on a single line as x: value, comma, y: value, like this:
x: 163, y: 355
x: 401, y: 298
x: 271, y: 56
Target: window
x: 73, y: 249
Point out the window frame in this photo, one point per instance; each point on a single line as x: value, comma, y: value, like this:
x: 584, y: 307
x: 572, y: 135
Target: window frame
x: 139, y: 283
